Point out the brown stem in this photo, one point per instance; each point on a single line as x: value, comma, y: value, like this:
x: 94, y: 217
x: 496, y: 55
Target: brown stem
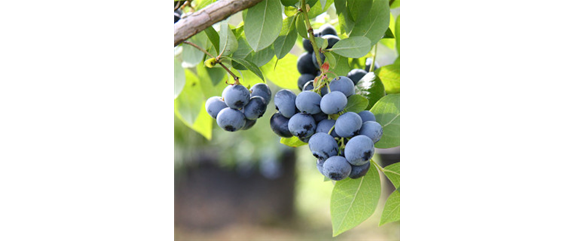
x: 202, y: 19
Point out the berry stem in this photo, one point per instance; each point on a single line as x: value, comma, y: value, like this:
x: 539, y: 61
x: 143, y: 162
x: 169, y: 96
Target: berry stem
x: 331, y: 130
x: 311, y: 34
x: 217, y: 61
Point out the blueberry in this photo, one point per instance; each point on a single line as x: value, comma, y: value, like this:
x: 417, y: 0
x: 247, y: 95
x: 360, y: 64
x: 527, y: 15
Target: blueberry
x: 326, y: 29
x: 176, y: 17
x: 348, y: 124
x: 314, y: 58
x: 248, y: 124
x: 333, y: 102
x: 236, y: 96
x: 367, y: 116
x: 325, y: 126
x: 305, y: 64
x: 359, y: 171
x: 320, y: 116
x: 262, y: 90
x: 308, y: 86
x: 303, y: 79
x: 307, y: 45
x: 320, y: 165
x: 323, y: 146
x: 368, y: 63
x: 230, y: 119
x: 214, y: 105
x: 302, y: 125
x: 308, y: 102
x: 279, y: 125
x: 356, y: 74
x: 255, y: 108
x: 359, y: 150
x: 331, y: 39
x: 285, y: 102
x: 336, y: 168
x: 343, y: 84
x: 372, y: 129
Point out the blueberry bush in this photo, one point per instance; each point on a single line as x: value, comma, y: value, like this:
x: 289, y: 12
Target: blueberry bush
x: 335, y: 98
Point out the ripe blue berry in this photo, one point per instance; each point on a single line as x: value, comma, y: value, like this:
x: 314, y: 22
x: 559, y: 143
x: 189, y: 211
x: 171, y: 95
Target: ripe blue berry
x: 280, y: 125
x: 336, y: 168
x: 367, y: 116
x: 262, y: 90
x: 323, y: 146
x: 230, y: 119
x: 214, y: 105
x: 348, y: 124
x: 302, y: 125
x: 236, y: 96
x: 359, y: 171
x: 255, y: 108
x: 285, y: 102
x: 308, y: 102
x: 373, y: 130
x: 333, y: 102
x: 359, y: 150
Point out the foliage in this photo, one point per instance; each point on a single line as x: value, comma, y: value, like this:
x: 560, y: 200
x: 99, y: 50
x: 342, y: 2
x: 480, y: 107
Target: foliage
x: 262, y: 48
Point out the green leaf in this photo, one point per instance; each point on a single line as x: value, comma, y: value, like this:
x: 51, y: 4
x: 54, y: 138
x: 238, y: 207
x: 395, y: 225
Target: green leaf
x: 216, y: 75
x: 396, y: 4
x: 357, y: 9
x: 191, y: 55
x: 354, y: 200
x: 389, y: 33
x: 250, y: 66
x: 243, y: 50
x: 392, y: 209
x: 346, y: 23
x: 342, y: 65
x: 285, y: 74
x: 178, y: 78
x: 398, y: 33
x: 261, y: 57
x: 263, y: 24
x: 291, y: 11
x: 228, y: 43
x: 213, y: 37
x: 292, y: 142
x: 323, y: 2
x: 203, y: 3
x: 387, y: 111
x: 353, y: 47
x: 356, y: 103
x: 331, y: 60
x: 319, y: 41
x: 393, y: 173
x: 300, y: 26
x: 286, y: 40
x: 370, y: 87
x: 318, y: 9
x: 189, y: 103
x: 289, y: 2
x: 390, y: 75
x: 204, y: 123
x: 375, y: 24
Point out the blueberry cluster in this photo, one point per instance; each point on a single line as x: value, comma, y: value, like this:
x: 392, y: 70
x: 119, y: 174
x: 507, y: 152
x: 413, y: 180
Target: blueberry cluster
x: 342, y: 142
x: 239, y: 108
x: 307, y: 63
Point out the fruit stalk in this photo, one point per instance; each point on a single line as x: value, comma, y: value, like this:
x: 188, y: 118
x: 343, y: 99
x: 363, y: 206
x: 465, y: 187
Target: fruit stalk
x: 217, y: 61
x: 311, y: 34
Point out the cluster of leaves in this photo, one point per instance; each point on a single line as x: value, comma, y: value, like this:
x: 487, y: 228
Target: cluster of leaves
x: 258, y: 50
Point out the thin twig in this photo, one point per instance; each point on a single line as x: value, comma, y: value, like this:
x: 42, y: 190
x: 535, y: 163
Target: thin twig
x: 197, y: 47
x: 311, y: 34
x: 217, y: 61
